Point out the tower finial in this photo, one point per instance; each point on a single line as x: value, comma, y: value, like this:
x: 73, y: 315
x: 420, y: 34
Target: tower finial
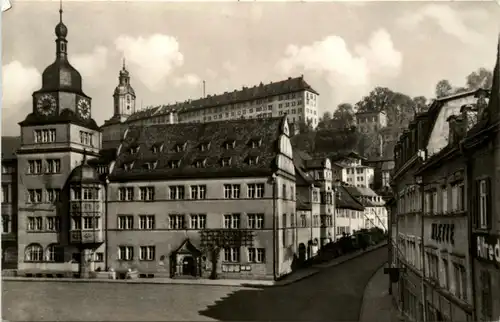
x: 60, y: 10
x: 124, y: 63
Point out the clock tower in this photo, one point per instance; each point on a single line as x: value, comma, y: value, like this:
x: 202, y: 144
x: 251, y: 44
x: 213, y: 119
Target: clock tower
x: 124, y: 96
x: 56, y: 137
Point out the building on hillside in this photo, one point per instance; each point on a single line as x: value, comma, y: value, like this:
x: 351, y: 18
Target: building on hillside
x: 433, y: 196
x: 370, y: 122
x: 293, y: 97
x: 349, y: 169
x: 349, y: 213
x: 314, y: 178
x: 375, y: 213
x: 9, y: 202
x: 382, y: 169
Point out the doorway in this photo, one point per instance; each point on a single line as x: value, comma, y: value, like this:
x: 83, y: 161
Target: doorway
x: 188, y: 266
x: 302, y: 252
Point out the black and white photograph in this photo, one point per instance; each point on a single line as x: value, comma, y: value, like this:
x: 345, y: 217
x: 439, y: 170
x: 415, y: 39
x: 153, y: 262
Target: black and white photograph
x: 250, y: 161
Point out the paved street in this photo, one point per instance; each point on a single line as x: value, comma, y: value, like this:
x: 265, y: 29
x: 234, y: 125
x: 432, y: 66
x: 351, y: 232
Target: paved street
x: 334, y: 294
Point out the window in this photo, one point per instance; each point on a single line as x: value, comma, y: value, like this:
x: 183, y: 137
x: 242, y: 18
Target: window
x: 174, y: 164
x: 225, y: 162
x: 45, y: 136
x: 486, y: 296
x: 205, y: 146
x: 90, y: 223
x: 255, y: 143
x: 228, y: 145
x: 255, y: 221
x: 34, y: 166
x: 446, y: 280
x: 53, y: 223
x: 200, y: 163
x: 147, y: 222
x: 128, y: 166
x: 5, y: 224
x: 147, y: 253
x: 34, y: 195
x: 147, y: 193
x: 33, y: 253
x: 176, y: 192
x: 198, y: 192
x: 303, y: 220
x: 180, y: 147
x: 76, y: 223
x: 284, y: 192
x: 86, y: 138
x: 125, y: 222
x: 484, y: 203
x: 51, y: 253
x: 232, y: 254
x: 256, y: 255
x: 255, y: 190
x: 326, y: 221
x: 99, y: 257
x: 232, y: 221
x: 157, y: 147
x: 460, y: 281
x: 150, y: 165
x: 253, y: 160
x: 176, y: 222
x: 90, y: 193
x: 232, y: 191
x: 53, y: 195
x: 444, y: 198
x: 5, y: 193
x: 125, y: 253
x: 198, y: 221
x: 53, y: 166
x: 126, y: 194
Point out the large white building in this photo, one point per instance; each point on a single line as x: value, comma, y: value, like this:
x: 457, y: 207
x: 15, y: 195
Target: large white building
x: 293, y: 97
x: 350, y: 170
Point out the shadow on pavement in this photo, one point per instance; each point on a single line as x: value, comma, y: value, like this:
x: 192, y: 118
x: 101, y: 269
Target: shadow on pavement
x: 334, y: 294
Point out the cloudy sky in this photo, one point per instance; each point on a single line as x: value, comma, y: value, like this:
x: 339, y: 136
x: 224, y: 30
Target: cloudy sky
x: 343, y: 49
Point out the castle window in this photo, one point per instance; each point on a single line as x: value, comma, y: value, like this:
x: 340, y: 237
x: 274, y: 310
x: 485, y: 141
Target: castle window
x: 174, y: 164
x: 226, y: 162
x: 86, y: 138
x: 230, y: 144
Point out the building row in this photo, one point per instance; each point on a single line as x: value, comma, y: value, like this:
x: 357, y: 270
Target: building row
x: 446, y: 209
x: 181, y: 198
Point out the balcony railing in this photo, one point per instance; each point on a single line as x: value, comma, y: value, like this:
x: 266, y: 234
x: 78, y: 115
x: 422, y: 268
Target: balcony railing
x: 86, y: 236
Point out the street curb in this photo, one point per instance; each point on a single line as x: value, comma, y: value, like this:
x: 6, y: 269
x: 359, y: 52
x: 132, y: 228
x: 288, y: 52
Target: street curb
x: 364, y: 289
x: 255, y: 284
x: 319, y: 269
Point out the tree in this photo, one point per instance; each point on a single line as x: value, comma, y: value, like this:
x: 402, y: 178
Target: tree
x: 376, y: 101
x: 482, y: 78
x: 443, y: 88
x: 420, y: 104
x: 344, y: 115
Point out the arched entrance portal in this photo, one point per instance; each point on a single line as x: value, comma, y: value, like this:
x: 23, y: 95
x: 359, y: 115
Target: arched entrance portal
x: 186, y: 261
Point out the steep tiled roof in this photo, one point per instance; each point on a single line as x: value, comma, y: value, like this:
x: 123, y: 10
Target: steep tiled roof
x: 344, y: 200
x: 105, y: 158
x: 196, y: 150
x: 302, y: 178
x: 260, y: 91
x: 360, y: 192
x: 10, y: 144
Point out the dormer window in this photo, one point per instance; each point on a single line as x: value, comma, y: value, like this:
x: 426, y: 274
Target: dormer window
x: 157, y: 147
x: 200, y: 163
x: 253, y: 160
x: 128, y: 166
x: 180, y: 147
x: 226, y: 162
x: 133, y: 149
x: 174, y: 164
x: 205, y: 146
x: 255, y: 143
x: 229, y: 145
x: 150, y: 165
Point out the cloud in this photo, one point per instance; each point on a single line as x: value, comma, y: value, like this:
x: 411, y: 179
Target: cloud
x: 93, y: 64
x: 187, y: 79
x: 350, y: 74
x: 152, y: 59
x: 18, y: 83
x: 229, y: 66
x: 450, y: 21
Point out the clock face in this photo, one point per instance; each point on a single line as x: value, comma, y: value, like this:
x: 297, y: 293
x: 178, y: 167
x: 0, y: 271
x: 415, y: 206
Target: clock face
x: 84, y: 108
x: 46, y: 104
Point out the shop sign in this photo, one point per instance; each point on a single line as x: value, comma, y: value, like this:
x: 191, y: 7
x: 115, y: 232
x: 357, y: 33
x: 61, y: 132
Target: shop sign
x: 443, y: 233
x: 488, y: 248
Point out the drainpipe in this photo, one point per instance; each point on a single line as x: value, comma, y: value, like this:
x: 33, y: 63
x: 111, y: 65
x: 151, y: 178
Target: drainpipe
x: 106, y: 246
x: 273, y: 180
x: 312, y: 218
x: 422, y: 248
x: 469, y: 192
